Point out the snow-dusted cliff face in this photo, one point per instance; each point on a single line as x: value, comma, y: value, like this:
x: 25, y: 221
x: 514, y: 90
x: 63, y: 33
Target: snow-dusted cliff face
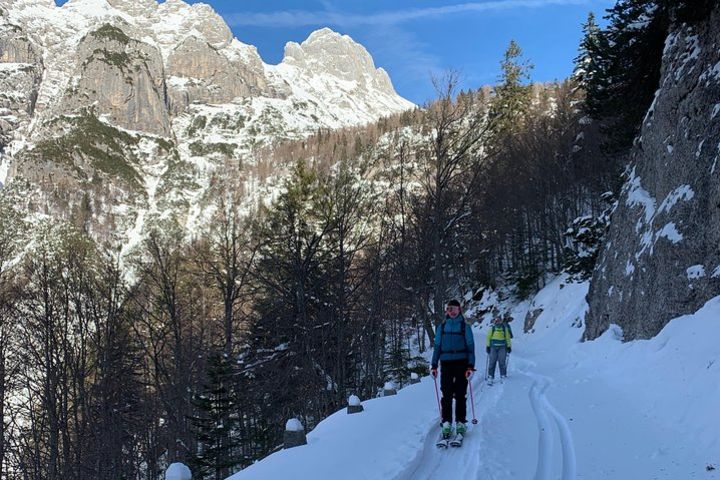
x: 126, y: 108
x: 662, y: 256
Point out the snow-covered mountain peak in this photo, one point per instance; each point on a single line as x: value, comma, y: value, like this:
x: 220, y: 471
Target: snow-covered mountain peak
x: 177, y: 19
x: 135, y: 7
x: 327, y: 35
x: 330, y: 52
x: 7, y: 4
x: 328, y: 61
x: 84, y: 15
x: 165, y: 24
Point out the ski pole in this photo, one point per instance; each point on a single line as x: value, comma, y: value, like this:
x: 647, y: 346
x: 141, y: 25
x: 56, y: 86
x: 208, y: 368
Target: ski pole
x: 487, y: 366
x: 437, y: 396
x: 472, y: 403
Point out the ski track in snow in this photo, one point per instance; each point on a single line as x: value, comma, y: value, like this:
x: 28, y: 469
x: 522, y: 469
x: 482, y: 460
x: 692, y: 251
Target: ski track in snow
x: 545, y: 438
x: 544, y: 411
x: 474, y: 458
x: 468, y: 461
x: 638, y: 410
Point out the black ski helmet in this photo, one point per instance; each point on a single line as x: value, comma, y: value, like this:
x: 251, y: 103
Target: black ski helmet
x: 453, y: 303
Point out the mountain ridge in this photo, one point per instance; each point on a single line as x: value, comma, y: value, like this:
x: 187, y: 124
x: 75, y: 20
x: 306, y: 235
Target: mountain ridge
x: 168, y: 97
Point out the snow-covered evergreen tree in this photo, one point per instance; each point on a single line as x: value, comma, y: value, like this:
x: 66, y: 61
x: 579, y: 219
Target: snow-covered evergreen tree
x: 625, y: 69
x: 588, y: 67
x: 584, y: 239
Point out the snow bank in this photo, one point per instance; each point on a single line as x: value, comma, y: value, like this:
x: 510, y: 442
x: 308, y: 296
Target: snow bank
x: 178, y: 471
x: 294, y: 425
x: 672, y: 377
x: 379, y: 444
x: 563, y: 308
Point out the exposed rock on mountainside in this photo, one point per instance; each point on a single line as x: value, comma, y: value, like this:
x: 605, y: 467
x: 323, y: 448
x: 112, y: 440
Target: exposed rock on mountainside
x: 662, y: 255
x: 122, y: 79
x: 198, y: 72
x: 20, y: 74
x: 121, y: 111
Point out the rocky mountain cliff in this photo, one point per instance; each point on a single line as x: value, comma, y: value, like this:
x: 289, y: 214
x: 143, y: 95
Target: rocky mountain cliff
x: 662, y: 256
x: 120, y: 111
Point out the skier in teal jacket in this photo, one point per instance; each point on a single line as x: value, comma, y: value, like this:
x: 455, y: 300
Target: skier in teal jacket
x: 455, y: 352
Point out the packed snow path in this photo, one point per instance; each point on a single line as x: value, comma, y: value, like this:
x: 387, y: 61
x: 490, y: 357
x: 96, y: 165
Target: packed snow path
x: 463, y: 462
x: 477, y: 457
x: 568, y: 410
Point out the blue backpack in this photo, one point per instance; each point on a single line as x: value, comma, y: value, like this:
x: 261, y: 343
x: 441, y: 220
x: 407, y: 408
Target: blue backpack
x: 461, y: 332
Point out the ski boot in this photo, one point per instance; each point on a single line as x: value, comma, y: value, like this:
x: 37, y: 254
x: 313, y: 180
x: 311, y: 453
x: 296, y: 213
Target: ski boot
x: 460, y: 430
x: 445, y: 435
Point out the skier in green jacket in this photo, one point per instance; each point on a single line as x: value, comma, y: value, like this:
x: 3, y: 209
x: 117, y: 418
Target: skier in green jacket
x: 498, y: 346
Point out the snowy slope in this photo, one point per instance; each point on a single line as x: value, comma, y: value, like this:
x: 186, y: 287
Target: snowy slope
x: 595, y: 410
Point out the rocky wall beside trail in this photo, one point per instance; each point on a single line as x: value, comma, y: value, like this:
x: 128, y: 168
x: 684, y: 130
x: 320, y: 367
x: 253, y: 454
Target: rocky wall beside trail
x: 662, y: 255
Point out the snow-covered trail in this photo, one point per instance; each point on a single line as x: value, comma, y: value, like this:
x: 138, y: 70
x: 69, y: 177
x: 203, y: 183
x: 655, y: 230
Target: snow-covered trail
x: 515, y: 436
x: 613, y: 436
x: 597, y: 410
x: 466, y: 461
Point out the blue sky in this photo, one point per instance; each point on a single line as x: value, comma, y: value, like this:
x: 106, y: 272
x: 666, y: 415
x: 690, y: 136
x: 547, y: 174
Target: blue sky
x: 415, y: 39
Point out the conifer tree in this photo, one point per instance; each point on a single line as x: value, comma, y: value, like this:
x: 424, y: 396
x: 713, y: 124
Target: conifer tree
x: 291, y: 303
x: 216, y: 422
x: 627, y: 56
x: 588, y: 65
x: 512, y: 96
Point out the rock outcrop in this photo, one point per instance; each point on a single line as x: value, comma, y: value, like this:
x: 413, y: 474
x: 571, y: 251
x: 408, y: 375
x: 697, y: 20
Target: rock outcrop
x: 122, y: 79
x: 198, y: 72
x: 20, y: 75
x: 662, y: 255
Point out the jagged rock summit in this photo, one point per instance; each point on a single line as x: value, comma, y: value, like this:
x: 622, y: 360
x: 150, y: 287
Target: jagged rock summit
x: 334, y: 63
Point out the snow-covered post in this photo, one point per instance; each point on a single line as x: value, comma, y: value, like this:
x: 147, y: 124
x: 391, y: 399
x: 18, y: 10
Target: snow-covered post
x: 389, y: 389
x: 354, y: 404
x: 414, y: 378
x: 294, y: 434
x: 178, y: 471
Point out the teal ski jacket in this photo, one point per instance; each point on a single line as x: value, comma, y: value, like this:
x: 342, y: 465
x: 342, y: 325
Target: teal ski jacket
x: 454, y: 341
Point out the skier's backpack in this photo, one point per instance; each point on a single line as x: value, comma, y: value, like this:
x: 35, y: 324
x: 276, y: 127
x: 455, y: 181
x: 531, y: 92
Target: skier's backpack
x: 461, y: 332
x: 506, y: 328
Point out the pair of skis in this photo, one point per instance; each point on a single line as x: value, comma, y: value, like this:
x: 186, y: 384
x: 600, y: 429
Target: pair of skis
x: 452, y: 441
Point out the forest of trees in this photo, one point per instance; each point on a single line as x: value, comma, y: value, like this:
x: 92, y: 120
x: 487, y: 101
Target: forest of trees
x: 199, y: 349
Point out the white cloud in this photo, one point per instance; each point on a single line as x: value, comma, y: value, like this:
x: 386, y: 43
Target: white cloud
x: 402, y: 51
x: 295, y: 18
